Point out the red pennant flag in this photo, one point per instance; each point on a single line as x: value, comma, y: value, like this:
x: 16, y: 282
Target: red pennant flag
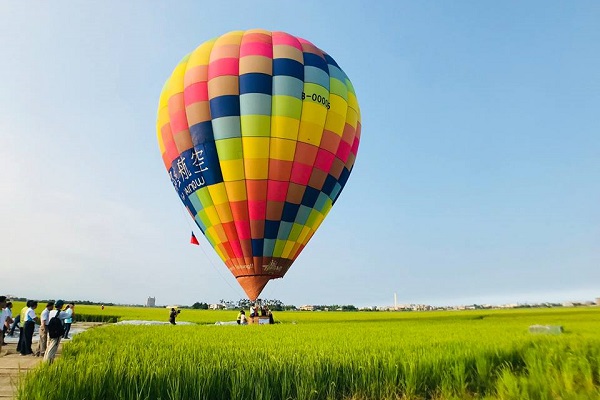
x: 193, y: 240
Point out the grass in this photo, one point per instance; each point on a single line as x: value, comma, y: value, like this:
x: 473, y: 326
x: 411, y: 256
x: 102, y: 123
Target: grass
x: 331, y: 355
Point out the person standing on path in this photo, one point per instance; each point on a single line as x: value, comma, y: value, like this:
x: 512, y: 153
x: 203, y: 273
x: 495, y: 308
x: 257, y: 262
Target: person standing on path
x: 28, y: 327
x: 21, y: 319
x: 173, y: 315
x: 70, y: 311
x: 42, y: 343
x: 7, y: 317
x: 54, y: 341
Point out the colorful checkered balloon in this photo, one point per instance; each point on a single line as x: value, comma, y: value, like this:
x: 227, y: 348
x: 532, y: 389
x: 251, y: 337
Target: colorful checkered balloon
x: 259, y: 133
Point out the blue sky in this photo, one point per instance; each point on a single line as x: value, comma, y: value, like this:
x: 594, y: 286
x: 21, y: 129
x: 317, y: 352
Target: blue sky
x: 477, y: 177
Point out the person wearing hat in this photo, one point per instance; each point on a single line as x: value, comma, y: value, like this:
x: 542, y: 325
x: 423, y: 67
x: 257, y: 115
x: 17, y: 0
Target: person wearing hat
x: 54, y: 342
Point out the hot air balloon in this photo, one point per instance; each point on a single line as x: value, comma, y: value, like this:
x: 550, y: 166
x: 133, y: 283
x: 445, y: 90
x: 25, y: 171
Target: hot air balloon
x: 259, y: 132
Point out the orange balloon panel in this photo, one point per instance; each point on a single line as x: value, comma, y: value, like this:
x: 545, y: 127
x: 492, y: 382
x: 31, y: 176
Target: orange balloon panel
x: 259, y: 132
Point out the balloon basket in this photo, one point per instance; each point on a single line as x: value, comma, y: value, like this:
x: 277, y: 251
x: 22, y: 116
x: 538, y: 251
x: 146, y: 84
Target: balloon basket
x: 263, y: 320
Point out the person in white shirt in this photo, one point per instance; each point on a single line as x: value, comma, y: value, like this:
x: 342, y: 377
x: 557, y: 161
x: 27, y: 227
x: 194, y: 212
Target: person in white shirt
x: 42, y: 343
x: 243, y: 319
x: 29, y: 326
x: 70, y: 310
x: 6, y: 319
x: 54, y: 342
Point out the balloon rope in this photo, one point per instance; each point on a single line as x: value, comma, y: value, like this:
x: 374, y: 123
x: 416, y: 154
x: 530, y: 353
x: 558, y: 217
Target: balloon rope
x: 186, y: 218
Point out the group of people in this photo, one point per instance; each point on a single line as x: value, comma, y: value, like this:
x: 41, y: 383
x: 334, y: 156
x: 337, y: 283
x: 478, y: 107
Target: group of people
x: 51, y: 333
x: 255, y: 311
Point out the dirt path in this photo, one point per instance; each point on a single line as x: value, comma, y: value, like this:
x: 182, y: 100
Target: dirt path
x: 13, y: 365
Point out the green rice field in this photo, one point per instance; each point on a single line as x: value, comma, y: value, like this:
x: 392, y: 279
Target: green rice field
x: 483, y: 354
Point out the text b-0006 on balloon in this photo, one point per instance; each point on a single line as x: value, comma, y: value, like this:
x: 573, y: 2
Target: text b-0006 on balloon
x: 317, y: 98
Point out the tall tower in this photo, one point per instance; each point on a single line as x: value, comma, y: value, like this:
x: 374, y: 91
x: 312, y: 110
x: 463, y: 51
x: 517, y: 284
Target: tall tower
x: 151, y: 302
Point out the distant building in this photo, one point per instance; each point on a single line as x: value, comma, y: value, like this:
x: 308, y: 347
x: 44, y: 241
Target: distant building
x: 367, y: 308
x: 151, y: 302
x: 598, y: 301
x: 216, y: 306
x: 307, y: 308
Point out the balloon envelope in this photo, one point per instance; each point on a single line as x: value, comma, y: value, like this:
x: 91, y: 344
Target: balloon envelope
x: 259, y: 132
